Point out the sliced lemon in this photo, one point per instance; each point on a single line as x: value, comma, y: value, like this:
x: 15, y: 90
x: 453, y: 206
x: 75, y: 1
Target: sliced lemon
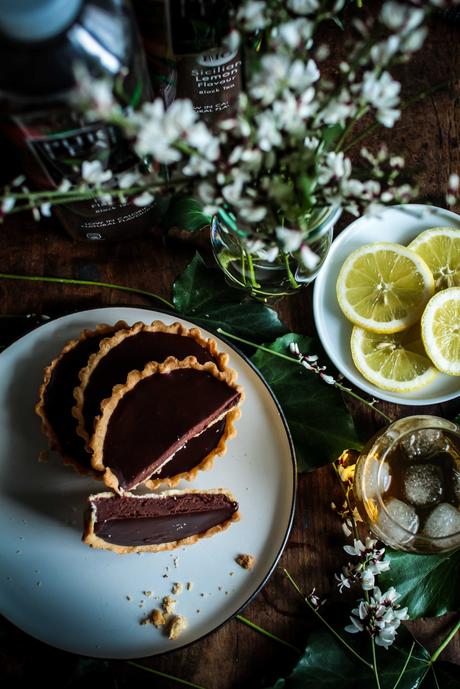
x: 441, y: 330
x: 395, y: 361
x: 384, y: 287
x: 440, y: 249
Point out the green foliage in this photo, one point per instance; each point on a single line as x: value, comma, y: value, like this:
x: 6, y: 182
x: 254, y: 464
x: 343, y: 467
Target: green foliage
x: 185, y: 213
x: 427, y: 583
x: 327, y: 664
x: 308, y: 403
x: 203, y: 294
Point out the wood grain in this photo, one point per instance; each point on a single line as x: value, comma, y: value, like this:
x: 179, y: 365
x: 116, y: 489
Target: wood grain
x: 234, y: 656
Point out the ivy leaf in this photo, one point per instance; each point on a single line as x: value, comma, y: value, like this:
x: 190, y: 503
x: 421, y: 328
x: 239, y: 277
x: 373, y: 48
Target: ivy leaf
x: 203, y: 294
x: 425, y: 582
x: 327, y: 664
x: 309, y: 405
x: 185, y: 213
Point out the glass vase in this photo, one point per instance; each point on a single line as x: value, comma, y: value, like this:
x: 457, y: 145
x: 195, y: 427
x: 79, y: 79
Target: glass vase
x: 261, y: 278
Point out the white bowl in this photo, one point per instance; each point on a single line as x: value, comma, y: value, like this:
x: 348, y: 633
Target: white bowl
x: 399, y: 224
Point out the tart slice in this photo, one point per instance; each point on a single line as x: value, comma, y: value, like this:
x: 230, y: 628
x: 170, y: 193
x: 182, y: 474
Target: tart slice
x: 132, y: 349
x: 56, y: 400
x: 155, y: 413
x: 154, y: 522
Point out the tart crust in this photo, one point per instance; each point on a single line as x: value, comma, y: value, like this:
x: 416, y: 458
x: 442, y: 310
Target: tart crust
x: 109, y: 405
x: 40, y: 410
x: 94, y: 541
x: 220, y: 358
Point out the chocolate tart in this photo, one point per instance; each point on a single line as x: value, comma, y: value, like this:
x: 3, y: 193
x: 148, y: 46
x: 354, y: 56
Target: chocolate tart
x: 155, y: 413
x: 56, y: 400
x: 131, y: 349
x: 155, y: 522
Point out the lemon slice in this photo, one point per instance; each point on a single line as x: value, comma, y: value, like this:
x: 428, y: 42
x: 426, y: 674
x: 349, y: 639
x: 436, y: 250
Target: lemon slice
x: 440, y: 249
x: 441, y: 330
x: 395, y: 361
x: 384, y: 287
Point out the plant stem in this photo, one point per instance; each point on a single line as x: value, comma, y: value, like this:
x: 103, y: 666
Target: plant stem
x: 374, y: 664
x: 294, y: 360
x: 263, y: 631
x: 165, y: 675
x: 331, y: 629
x: 252, y: 275
x: 291, y: 277
x: 399, y: 678
x: 445, y: 643
x: 69, y: 281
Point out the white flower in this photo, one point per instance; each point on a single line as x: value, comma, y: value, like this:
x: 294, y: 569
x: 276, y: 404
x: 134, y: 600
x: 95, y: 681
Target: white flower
x: 382, y: 92
x: 397, y: 16
x: 268, y: 134
x: 8, y: 203
x: 454, y: 181
x: 65, y: 185
x: 45, y: 209
x: 308, y: 257
x: 268, y: 254
x: 381, y: 53
x: 295, y: 32
x: 96, y: 95
x: 289, y: 239
x: 128, y: 179
x: 253, y: 14
x: 302, y: 75
x: 202, y: 139
x: 303, y: 6
x: 367, y: 580
x: 198, y: 166
x: 253, y: 214
x: 335, y: 167
x: 144, y: 199
x: 93, y: 172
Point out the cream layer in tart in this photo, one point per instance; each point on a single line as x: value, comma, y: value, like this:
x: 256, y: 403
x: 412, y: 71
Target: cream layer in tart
x: 155, y: 522
x: 158, y: 411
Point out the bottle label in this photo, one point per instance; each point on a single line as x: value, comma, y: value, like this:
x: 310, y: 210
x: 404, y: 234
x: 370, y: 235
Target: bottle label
x: 56, y: 148
x: 211, y: 80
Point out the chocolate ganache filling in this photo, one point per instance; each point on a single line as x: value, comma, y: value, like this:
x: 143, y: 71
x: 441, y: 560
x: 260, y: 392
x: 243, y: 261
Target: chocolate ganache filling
x: 59, y: 400
x: 133, y: 353
x: 159, y: 415
x: 133, y: 521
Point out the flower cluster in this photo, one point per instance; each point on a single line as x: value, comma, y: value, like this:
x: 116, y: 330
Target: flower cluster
x: 380, y: 616
x: 370, y: 564
x: 280, y: 161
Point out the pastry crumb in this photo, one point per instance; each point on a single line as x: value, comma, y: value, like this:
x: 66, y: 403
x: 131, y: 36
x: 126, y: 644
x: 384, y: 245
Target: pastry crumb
x: 168, y: 604
x: 176, y: 562
x: 189, y: 585
x: 157, y: 617
x: 177, y: 588
x: 177, y: 626
x: 129, y: 598
x: 147, y: 594
x: 245, y: 561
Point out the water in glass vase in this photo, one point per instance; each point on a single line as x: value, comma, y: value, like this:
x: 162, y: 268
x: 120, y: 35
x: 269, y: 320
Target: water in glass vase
x: 407, y: 485
x: 265, y: 279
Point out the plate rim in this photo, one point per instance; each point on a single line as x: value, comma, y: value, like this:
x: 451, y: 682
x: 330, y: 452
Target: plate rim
x: 292, y: 454
x: 319, y: 287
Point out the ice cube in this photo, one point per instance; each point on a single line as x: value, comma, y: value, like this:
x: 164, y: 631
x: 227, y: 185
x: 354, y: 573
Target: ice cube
x: 423, y: 443
x: 377, y: 478
x: 423, y: 485
x: 396, y: 521
x: 444, y: 521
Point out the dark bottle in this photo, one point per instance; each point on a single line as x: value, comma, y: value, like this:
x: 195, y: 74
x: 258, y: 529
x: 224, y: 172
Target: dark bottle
x: 40, y: 45
x: 184, y: 42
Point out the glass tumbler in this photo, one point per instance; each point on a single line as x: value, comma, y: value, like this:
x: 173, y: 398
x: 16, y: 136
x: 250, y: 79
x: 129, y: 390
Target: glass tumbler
x: 407, y: 484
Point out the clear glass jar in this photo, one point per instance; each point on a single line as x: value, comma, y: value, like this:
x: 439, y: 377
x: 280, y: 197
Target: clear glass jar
x: 407, y: 484
x: 264, y: 279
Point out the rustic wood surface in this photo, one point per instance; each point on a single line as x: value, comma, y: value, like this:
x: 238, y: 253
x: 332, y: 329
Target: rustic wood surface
x: 235, y: 656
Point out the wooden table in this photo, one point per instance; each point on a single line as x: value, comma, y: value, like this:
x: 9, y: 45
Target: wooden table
x: 235, y: 656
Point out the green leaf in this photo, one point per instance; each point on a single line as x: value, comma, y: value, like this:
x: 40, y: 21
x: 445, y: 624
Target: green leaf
x: 309, y: 405
x: 445, y: 676
x: 331, y: 134
x: 427, y: 583
x: 185, y: 213
x: 327, y: 664
x: 203, y: 294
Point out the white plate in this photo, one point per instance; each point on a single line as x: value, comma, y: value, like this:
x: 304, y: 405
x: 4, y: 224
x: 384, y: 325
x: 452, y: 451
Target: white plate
x: 399, y: 224
x: 64, y: 593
